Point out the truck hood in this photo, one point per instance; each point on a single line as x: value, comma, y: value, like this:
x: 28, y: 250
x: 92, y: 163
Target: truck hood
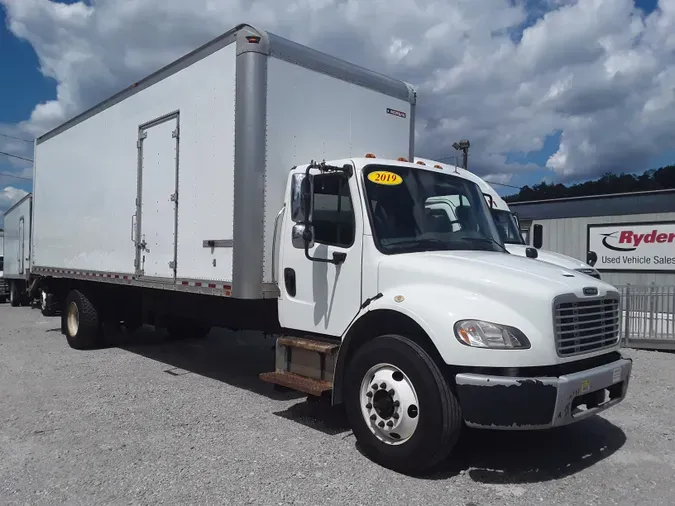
x: 549, y: 257
x: 489, y: 273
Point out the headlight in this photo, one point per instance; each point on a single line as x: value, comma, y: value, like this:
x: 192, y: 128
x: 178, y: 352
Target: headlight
x: 482, y: 334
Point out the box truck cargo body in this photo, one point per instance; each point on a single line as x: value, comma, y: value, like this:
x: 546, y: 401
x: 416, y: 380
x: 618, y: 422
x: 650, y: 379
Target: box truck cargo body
x: 17, y: 249
x: 180, y: 178
x: 260, y: 184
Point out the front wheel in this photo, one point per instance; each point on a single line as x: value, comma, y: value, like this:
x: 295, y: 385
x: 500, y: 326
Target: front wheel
x: 399, y: 405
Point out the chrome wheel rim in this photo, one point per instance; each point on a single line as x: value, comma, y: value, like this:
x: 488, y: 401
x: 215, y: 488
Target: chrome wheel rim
x: 389, y: 404
x: 73, y: 319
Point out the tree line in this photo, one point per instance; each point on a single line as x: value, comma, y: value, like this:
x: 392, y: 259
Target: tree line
x: 653, y: 179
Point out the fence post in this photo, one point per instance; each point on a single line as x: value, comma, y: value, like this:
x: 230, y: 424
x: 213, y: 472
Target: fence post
x: 626, y: 315
x: 653, y: 295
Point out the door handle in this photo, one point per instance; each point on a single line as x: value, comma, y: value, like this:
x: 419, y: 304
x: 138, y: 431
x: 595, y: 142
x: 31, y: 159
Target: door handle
x: 133, y: 228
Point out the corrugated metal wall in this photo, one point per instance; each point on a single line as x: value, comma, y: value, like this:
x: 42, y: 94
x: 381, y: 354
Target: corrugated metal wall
x: 568, y: 236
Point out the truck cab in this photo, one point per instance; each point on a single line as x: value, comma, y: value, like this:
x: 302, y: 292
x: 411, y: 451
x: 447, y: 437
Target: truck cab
x: 437, y: 324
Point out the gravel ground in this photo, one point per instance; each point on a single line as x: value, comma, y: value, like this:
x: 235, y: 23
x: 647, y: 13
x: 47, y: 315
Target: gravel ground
x: 152, y: 422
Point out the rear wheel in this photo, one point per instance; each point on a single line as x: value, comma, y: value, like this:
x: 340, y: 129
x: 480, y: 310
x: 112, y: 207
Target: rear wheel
x: 46, y: 303
x: 81, y: 322
x: 399, y: 405
x: 14, y: 298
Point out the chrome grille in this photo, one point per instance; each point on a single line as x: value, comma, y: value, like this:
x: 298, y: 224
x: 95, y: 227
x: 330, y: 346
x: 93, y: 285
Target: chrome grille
x: 583, y: 326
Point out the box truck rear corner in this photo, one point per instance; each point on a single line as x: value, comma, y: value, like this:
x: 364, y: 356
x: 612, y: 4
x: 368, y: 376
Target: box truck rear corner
x: 17, y: 247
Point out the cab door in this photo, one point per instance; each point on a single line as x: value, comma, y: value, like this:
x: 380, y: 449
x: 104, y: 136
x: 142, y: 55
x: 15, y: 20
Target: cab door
x: 321, y: 297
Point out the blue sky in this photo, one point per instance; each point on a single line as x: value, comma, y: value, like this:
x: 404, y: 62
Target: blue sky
x: 23, y: 86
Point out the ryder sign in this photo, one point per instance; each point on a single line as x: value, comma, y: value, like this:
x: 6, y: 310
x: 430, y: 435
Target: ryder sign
x: 633, y: 247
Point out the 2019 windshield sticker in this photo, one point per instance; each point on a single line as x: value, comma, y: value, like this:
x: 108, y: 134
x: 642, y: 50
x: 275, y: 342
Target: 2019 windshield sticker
x: 385, y: 177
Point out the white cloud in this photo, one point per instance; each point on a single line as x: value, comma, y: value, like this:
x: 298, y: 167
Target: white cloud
x: 598, y: 71
x: 9, y: 196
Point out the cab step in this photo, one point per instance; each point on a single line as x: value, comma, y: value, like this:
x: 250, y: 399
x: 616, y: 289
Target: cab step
x: 297, y: 382
x: 302, y: 364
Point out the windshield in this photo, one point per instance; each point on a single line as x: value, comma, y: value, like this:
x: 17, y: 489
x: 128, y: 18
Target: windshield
x: 507, y: 226
x: 420, y: 210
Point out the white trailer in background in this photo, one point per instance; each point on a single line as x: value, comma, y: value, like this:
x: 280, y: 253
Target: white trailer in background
x: 200, y: 197
x: 17, y: 250
x: 4, y: 287
x: 507, y: 224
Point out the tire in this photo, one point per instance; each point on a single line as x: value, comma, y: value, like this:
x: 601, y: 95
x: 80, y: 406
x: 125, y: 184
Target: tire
x: 418, y: 384
x: 46, y: 303
x: 80, y: 322
x: 14, y: 298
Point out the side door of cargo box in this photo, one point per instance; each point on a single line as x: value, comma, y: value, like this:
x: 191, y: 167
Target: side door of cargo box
x: 157, y: 198
x: 20, y: 249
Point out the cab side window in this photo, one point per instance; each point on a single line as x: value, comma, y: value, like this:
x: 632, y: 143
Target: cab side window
x: 333, y: 217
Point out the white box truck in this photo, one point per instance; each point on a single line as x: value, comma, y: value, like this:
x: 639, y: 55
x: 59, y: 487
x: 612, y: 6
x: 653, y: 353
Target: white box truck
x: 509, y: 228
x: 255, y: 184
x: 17, y: 250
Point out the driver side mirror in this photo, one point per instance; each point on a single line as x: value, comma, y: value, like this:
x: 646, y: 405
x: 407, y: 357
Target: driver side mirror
x: 302, y: 209
x: 591, y: 258
x: 538, y: 236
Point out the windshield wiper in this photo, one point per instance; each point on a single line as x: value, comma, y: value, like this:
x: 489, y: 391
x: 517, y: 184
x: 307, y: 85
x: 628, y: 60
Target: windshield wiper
x: 485, y: 239
x: 419, y: 242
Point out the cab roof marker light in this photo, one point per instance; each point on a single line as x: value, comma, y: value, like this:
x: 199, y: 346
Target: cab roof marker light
x: 420, y: 162
x: 402, y: 159
x: 370, y: 155
x: 437, y: 167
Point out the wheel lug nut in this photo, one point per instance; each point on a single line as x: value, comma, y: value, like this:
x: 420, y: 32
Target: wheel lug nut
x: 381, y: 424
x: 395, y: 416
x: 390, y: 424
x: 383, y: 385
x: 396, y: 404
x: 373, y: 417
x: 369, y: 406
x: 369, y: 394
x: 374, y: 387
x: 391, y: 392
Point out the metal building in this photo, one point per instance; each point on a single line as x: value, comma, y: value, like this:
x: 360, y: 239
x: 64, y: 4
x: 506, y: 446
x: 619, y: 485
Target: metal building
x: 633, y: 237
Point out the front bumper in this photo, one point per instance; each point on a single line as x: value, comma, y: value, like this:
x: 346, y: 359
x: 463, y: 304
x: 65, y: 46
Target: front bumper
x: 515, y: 403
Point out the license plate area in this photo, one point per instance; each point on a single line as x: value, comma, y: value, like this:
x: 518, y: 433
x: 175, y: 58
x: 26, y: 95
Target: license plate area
x: 596, y: 398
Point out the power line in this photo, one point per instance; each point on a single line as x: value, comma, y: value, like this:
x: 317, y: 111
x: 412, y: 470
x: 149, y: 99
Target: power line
x: 16, y: 156
x: 14, y: 175
x: 504, y: 184
x: 16, y: 138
